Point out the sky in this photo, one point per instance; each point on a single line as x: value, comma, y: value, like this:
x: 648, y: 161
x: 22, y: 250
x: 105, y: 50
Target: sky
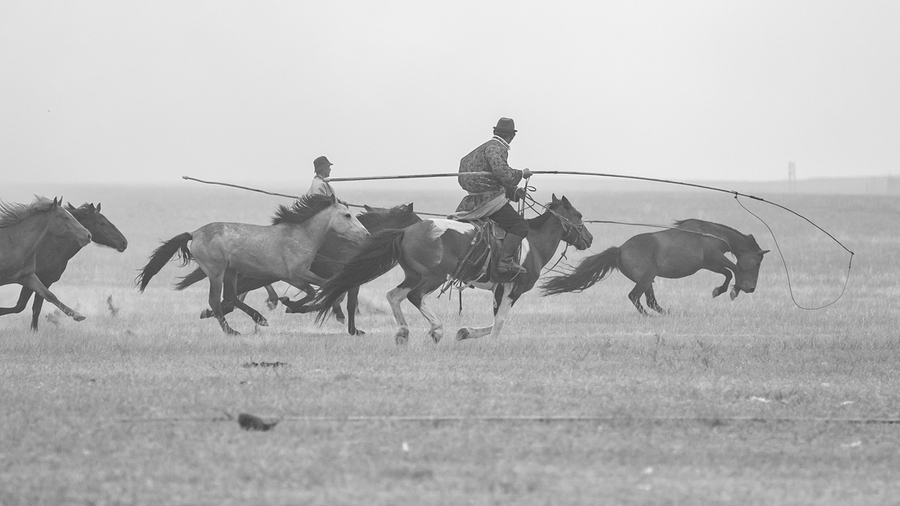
x: 251, y: 92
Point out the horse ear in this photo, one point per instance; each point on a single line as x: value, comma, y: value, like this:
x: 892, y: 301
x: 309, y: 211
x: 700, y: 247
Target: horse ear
x: 566, y: 201
x: 409, y: 207
x: 555, y: 200
x: 367, y: 208
x: 98, y: 207
x: 763, y: 252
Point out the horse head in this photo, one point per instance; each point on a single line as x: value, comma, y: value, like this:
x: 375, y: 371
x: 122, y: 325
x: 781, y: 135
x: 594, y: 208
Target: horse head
x: 574, y: 231
x: 345, y: 224
x: 63, y: 224
x: 103, y: 232
x: 380, y: 218
x: 749, y: 258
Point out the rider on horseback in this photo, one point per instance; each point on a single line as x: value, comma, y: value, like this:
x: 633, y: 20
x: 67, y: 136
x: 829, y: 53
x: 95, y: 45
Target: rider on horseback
x: 489, y: 196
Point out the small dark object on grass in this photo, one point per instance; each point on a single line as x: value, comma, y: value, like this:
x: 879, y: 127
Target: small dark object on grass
x: 251, y: 422
x: 263, y: 364
x: 112, y: 309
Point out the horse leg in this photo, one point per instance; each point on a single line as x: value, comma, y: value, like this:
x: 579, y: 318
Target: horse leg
x: 394, y: 297
x: 651, y: 301
x: 232, y: 300
x: 502, y: 305
x: 215, y: 302
x: 35, y: 284
x: 417, y: 297
x: 36, y: 307
x: 24, y: 295
x: 352, y: 304
x: 298, y: 306
x: 719, y: 290
x: 272, y: 297
x: 635, y: 296
x: 336, y: 307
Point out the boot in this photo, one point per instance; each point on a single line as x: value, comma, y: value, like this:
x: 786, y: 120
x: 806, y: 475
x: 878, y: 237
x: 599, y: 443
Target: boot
x: 507, y: 264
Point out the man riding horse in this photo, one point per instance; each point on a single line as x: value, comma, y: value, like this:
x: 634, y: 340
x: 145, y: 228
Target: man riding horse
x: 489, y: 195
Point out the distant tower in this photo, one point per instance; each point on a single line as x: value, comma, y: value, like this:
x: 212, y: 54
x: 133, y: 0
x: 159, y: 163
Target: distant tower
x: 792, y: 177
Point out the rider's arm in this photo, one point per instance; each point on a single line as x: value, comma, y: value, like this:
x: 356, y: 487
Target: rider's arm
x: 506, y: 175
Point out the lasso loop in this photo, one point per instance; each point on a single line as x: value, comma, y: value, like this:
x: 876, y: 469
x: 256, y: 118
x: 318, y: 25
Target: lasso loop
x: 784, y: 262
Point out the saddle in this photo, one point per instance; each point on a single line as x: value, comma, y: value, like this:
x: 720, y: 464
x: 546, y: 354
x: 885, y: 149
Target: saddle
x: 479, y: 264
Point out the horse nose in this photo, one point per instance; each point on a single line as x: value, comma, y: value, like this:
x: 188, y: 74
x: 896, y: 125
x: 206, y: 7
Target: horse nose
x: 124, y: 245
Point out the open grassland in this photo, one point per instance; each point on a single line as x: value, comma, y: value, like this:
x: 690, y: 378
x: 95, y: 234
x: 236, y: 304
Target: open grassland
x: 751, y: 401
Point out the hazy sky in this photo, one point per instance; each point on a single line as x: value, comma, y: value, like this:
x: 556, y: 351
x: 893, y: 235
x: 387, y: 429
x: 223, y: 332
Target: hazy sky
x: 253, y: 91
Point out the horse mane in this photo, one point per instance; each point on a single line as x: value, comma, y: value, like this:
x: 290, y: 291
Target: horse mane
x: 77, y: 211
x: 302, y: 210
x: 706, y: 225
x: 12, y: 213
x: 539, y: 220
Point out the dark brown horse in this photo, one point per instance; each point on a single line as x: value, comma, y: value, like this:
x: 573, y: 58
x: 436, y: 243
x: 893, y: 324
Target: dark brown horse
x: 672, y: 253
x: 22, y: 228
x: 430, y: 251
x: 55, y: 251
x: 330, y: 258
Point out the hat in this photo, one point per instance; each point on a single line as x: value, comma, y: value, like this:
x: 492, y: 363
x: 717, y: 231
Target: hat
x: 321, y: 163
x: 505, y: 125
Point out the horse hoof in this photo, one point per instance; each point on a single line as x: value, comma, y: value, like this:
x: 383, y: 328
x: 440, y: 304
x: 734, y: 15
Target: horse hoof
x: 402, y: 337
x: 716, y: 292
x: 436, y: 335
x: 734, y: 293
x: 358, y: 332
x: 77, y: 317
x: 462, y: 334
x: 272, y: 304
x: 206, y: 313
x: 232, y: 332
x: 263, y: 322
x: 341, y: 320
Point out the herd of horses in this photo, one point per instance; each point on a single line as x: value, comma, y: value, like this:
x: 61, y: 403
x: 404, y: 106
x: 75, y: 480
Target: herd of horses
x: 318, y: 242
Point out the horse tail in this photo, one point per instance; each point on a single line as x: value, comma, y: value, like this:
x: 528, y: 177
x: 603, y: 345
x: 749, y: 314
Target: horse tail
x: 190, y: 279
x: 379, y: 254
x: 591, y: 270
x: 174, y: 247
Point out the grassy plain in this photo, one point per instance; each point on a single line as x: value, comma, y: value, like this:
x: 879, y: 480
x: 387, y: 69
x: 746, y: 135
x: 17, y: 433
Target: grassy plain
x: 746, y: 402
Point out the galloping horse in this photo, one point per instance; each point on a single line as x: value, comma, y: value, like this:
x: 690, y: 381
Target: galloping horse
x: 55, y: 251
x: 430, y: 251
x: 330, y: 258
x: 671, y: 253
x: 22, y: 228
x: 283, y: 251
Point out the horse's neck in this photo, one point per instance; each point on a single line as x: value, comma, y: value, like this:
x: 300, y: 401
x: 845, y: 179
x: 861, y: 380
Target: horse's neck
x: 733, y: 238
x: 26, y: 235
x: 315, y: 228
x: 544, y: 241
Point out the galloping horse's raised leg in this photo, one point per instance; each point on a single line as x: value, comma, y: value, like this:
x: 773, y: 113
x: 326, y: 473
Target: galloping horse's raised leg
x: 299, y: 306
x: 35, y: 284
x: 723, y: 266
x: 502, y: 305
x: 417, y: 297
x: 24, y: 295
x: 651, y: 301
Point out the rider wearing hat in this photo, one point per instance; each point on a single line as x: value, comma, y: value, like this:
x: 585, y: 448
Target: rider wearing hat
x: 320, y: 184
x: 489, y: 195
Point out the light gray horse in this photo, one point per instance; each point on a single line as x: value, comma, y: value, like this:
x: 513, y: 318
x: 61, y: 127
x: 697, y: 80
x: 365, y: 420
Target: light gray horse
x: 282, y: 251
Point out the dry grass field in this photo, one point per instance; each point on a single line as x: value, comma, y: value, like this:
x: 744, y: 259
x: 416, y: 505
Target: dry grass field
x: 580, y: 401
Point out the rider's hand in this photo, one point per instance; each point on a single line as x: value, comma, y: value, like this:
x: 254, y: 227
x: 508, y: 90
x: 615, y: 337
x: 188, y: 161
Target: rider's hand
x: 520, y: 194
x: 526, y: 173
